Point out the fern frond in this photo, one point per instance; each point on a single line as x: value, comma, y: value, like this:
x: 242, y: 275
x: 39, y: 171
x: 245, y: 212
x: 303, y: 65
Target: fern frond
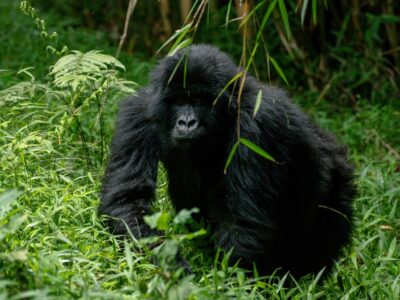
x: 21, y: 91
x: 77, y: 69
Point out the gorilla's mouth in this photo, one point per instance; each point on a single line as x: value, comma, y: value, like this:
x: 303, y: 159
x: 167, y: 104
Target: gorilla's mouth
x: 186, y: 138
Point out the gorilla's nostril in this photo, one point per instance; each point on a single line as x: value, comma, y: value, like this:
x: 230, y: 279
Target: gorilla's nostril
x: 192, y: 123
x: 181, y: 123
x: 187, y: 124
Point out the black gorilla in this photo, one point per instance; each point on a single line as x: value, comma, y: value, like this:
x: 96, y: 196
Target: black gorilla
x: 295, y: 214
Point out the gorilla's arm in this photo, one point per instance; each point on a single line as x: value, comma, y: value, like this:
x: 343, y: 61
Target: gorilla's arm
x: 258, y: 188
x: 248, y: 228
x: 249, y: 225
x: 130, y: 178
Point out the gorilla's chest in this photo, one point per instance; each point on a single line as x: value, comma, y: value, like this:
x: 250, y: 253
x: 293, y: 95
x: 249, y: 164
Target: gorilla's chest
x: 200, y: 185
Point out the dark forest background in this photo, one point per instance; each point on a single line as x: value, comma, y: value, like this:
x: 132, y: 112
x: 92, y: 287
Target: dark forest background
x: 351, y: 45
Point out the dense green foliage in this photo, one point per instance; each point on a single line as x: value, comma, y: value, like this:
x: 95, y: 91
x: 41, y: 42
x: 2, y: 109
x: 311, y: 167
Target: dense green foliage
x: 346, y: 51
x: 55, y: 124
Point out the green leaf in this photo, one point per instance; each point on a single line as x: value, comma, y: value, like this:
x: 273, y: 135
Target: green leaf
x: 256, y: 149
x: 26, y: 72
x: 278, y: 69
x: 314, y: 11
x: 178, y: 35
x: 159, y: 220
x: 184, y: 289
x: 392, y: 248
x: 163, y: 221
x: 12, y: 225
x: 230, y: 156
x: 143, y: 286
x: 83, y: 69
x: 6, y: 199
x: 168, y: 250
x: 21, y: 91
x: 234, y: 78
x: 181, y: 59
x: 250, y: 14
x: 152, y: 219
x: 303, y: 11
x: 192, y: 235
x: 284, y: 16
x: 180, y: 46
x: 240, y: 277
x: 266, y: 18
x: 184, y: 215
x: 253, y: 53
x: 228, y: 12
x: 258, y: 102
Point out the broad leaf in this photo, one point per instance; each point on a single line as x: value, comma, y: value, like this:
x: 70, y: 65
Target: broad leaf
x: 256, y: 149
x: 159, y: 220
x: 184, y: 215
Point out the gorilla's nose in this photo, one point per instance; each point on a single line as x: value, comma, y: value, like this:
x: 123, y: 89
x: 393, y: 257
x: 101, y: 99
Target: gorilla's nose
x: 186, y: 124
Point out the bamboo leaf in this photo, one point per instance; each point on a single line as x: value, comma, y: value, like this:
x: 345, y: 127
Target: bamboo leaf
x: 256, y: 149
x: 314, y: 11
x: 266, y: 18
x: 253, y: 53
x: 230, y: 156
x: 258, y: 102
x: 303, y: 11
x: 284, y: 16
x: 178, y: 35
x: 228, y: 13
x: 251, y: 13
x: 278, y: 69
x: 180, y: 46
x: 234, y: 78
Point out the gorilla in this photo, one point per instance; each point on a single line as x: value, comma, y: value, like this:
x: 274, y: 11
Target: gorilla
x: 293, y: 213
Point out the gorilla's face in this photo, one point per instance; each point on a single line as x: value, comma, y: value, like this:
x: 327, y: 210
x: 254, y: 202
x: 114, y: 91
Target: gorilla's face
x: 188, y: 117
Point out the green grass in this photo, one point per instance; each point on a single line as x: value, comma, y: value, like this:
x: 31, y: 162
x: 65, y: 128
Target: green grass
x: 62, y: 250
x: 53, y: 245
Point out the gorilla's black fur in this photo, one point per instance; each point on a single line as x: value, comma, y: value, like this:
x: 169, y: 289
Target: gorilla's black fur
x: 295, y: 214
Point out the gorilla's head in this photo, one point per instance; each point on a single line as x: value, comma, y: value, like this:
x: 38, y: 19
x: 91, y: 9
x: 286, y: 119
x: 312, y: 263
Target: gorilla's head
x: 192, y: 94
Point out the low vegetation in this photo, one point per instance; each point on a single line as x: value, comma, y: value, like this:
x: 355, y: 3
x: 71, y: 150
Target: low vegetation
x: 55, y: 125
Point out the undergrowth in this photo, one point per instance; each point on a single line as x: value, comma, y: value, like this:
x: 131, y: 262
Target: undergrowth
x: 54, y: 130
